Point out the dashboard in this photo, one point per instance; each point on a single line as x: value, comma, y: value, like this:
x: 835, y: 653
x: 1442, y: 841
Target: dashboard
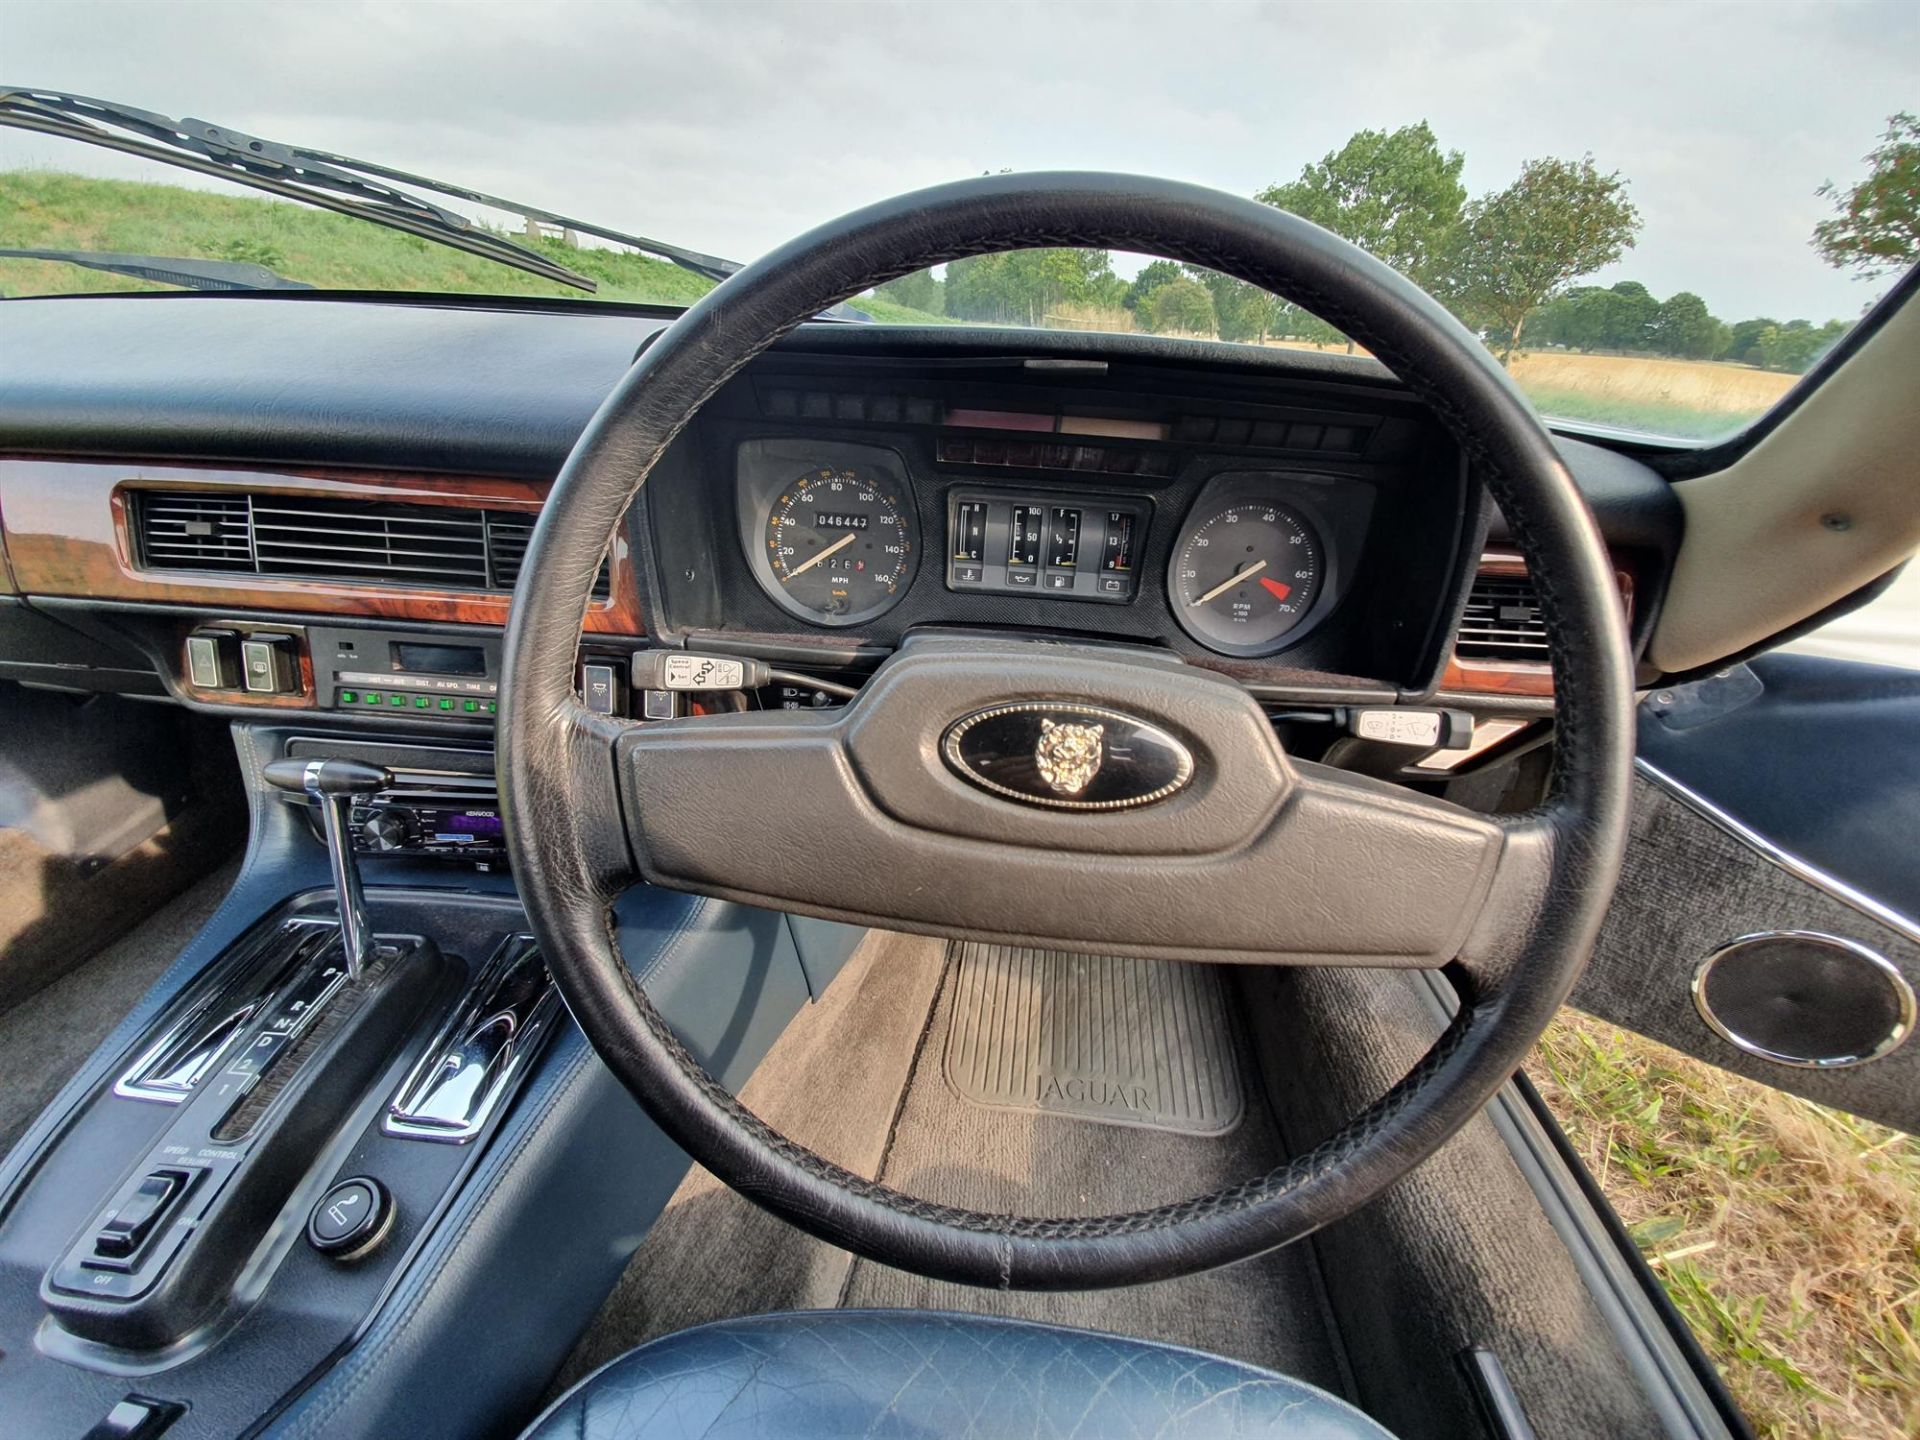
x: 1275, y: 532
x: 322, y: 506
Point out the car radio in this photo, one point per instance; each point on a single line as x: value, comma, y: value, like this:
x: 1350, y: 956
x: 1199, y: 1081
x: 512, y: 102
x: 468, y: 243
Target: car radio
x: 423, y: 676
x: 442, y: 815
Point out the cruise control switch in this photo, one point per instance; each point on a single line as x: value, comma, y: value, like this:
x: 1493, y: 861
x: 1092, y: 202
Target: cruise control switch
x: 683, y: 670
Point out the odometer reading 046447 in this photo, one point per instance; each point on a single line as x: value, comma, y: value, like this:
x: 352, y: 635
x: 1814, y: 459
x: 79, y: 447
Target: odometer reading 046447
x: 840, y: 544
x: 1244, y: 575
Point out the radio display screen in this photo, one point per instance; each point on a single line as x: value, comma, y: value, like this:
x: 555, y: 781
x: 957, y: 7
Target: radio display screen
x: 480, y: 827
x: 439, y: 659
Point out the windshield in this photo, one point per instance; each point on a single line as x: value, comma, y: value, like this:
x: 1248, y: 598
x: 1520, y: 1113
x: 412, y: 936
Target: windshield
x: 1637, y: 257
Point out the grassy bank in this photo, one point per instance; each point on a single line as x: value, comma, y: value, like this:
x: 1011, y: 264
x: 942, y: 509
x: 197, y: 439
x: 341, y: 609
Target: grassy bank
x: 46, y: 210
x: 1788, y: 1234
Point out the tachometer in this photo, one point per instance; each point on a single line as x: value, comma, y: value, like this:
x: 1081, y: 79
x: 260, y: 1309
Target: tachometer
x: 839, y: 543
x: 1244, y: 574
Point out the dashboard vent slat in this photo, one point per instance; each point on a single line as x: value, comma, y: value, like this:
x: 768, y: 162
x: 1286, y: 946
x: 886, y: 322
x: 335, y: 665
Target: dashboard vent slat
x: 507, y: 537
x: 296, y: 537
x: 1502, y: 621
x: 193, y: 531
x: 354, y: 540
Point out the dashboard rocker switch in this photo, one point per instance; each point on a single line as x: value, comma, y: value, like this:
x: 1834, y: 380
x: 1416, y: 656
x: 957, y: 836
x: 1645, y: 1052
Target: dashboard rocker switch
x: 213, y: 660
x: 267, y: 663
x: 127, y: 1228
x: 601, y: 687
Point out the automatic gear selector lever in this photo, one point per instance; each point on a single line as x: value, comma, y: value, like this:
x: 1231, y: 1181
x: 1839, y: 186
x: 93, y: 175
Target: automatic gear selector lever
x: 335, y: 784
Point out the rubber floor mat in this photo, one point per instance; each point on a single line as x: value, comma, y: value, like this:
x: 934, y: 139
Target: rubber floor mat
x: 1124, y: 1042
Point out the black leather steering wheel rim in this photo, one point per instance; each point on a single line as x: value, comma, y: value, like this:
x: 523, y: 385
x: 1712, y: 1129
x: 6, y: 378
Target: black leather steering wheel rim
x: 1534, y: 929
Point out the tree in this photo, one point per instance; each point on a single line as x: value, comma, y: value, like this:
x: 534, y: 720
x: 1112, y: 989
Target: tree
x: 1628, y: 317
x: 1152, y: 276
x: 1294, y: 323
x: 920, y: 290
x: 1876, y: 229
x: 1396, y: 195
x: 1021, y: 286
x: 1794, y: 346
x: 1242, y: 311
x: 1743, y: 342
x: 1683, y: 328
x: 1522, y: 246
x: 1181, y: 306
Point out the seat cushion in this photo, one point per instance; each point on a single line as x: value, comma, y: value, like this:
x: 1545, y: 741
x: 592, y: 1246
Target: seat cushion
x: 925, y: 1374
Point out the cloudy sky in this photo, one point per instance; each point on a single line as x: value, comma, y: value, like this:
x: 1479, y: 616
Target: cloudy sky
x: 729, y: 127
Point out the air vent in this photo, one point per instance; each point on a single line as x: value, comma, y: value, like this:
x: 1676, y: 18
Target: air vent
x: 1502, y: 621
x: 507, y: 537
x: 298, y: 537
x: 303, y: 538
x: 195, y: 532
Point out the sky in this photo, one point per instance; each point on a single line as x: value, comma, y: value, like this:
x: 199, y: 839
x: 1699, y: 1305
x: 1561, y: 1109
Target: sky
x: 730, y: 127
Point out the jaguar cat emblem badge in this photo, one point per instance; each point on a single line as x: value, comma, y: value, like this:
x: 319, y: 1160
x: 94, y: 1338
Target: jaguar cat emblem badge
x: 1066, y: 756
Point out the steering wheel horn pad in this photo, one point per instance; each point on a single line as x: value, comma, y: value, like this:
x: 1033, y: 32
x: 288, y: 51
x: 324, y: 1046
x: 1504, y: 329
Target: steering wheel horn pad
x: 1256, y: 858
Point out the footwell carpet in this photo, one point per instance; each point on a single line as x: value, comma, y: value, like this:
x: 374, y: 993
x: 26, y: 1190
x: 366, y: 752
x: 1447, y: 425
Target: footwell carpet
x: 1010, y: 1081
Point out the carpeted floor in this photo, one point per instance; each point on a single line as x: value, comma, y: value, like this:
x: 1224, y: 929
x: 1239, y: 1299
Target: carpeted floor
x: 44, y: 1038
x: 862, y: 1078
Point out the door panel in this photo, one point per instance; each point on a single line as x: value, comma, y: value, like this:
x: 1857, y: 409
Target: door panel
x: 1781, y: 797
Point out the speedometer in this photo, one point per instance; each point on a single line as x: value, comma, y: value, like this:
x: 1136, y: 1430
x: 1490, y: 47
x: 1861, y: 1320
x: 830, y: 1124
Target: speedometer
x: 1244, y: 574
x: 839, y: 543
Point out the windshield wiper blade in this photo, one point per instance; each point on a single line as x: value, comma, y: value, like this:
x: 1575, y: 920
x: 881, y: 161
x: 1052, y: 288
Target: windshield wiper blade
x: 190, y: 273
x: 711, y: 266
x: 318, y: 177
x: 282, y: 170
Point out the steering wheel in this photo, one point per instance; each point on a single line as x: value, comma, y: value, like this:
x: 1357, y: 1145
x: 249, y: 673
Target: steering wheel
x: 1252, y: 858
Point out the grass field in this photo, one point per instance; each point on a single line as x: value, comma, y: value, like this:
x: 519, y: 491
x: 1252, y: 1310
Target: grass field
x: 1691, y: 399
x: 1695, y: 398
x: 1788, y: 1234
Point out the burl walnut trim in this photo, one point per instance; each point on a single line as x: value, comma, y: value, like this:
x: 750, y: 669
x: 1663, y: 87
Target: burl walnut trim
x: 1532, y: 678
x: 67, y: 534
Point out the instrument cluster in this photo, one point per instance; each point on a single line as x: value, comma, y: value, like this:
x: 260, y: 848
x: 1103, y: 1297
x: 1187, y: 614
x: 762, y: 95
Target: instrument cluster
x: 832, y: 532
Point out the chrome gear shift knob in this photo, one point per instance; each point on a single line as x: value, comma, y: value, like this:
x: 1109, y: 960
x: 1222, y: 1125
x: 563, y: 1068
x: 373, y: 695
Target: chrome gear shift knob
x: 335, y: 784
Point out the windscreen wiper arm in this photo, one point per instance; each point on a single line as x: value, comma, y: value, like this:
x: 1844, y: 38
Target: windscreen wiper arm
x: 188, y: 273
x: 333, y: 182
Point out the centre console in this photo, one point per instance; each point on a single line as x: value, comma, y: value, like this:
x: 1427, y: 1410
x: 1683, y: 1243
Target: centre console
x: 257, y: 1075
x: 283, y: 1200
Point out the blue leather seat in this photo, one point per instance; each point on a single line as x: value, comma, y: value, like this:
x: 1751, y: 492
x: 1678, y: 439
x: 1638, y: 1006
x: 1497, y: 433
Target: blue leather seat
x: 895, y: 1374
